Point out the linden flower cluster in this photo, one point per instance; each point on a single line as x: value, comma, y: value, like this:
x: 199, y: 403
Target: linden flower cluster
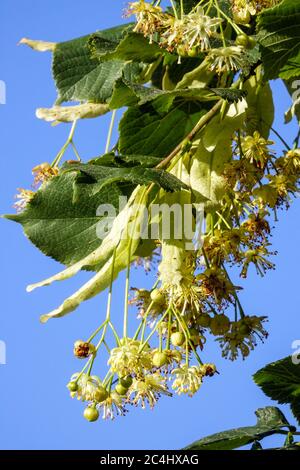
x: 138, y: 375
x: 189, y: 32
x: 193, y: 296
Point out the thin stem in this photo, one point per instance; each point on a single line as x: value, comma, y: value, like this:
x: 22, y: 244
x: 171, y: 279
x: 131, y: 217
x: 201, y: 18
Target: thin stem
x: 240, y: 144
x: 235, y: 27
x: 109, y: 298
x: 181, y: 8
x: 242, y: 313
x: 205, y: 258
x: 109, y: 384
x: 200, y: 124
x: 126, y: 293
x: 110, y: 130
x: 65, y: 146
x: 281, y: 139
x: 143, y: 323
x: 224, y: 220
x: 221, y: 27
x: 174, y: 9
x: 75, y: 151
x: 131, y: 235
x: 96, y: 332
x: 84, y: 368
x: 296, y: 140
x: 115, y: 333
x: 91, y: 365
x: 187, y: 335
x: 106, y: 346
x: 169, y: 330
x: 154, y: 330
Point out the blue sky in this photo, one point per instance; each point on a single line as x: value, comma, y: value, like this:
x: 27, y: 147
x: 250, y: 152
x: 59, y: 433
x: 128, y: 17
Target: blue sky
x: 35, y: 409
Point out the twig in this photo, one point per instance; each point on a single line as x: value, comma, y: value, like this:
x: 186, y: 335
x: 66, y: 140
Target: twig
x: 200, y: 124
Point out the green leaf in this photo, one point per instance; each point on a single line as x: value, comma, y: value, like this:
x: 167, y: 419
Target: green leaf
x: 133, y: 46
x: 128, y: 94
x: 260, y: 111
x: 61, y: 229
x: 280, y: 381
x: 270, y: 420
x: 291, y: 68
x: 146, y: 131
x: 102, y: 176
x: 126, y: 161
x: 81, y: 77
x: 279, y: 38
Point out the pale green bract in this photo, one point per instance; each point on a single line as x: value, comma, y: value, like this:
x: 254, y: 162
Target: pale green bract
x: 124, y: 234
x: 213, y: 151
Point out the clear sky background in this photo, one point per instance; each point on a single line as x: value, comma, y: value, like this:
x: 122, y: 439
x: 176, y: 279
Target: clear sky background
x: 35, y: 409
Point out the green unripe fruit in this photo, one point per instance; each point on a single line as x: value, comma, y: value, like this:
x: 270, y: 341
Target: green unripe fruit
x: 178, y: 338
x: 159, y: 359
x: 252, y: 42
x: 242, y: 40
x: 157, y: 297
x: 246, y: 41
x: 126, y: 382
x: 193, y: 52
x: 121, y: 390
x: 100, y: 394
x: 91, y: 414
x: 72, y: 386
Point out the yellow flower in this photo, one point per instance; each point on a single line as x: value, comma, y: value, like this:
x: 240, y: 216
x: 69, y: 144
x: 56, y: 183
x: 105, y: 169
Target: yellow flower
x: 113, y: 406
x: 255, y: 149
x: 24, y: 197
x: 87, y: 387
x: 225, y: 59
x: 243, y: 10
x: 128, y: 359
x: 148, y: 390
x: 242, y: 338
x: 43, y: 172
x: 199, y: 28
x: 187, y: 379
x: 290, y: 163
x: 150, y: 19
